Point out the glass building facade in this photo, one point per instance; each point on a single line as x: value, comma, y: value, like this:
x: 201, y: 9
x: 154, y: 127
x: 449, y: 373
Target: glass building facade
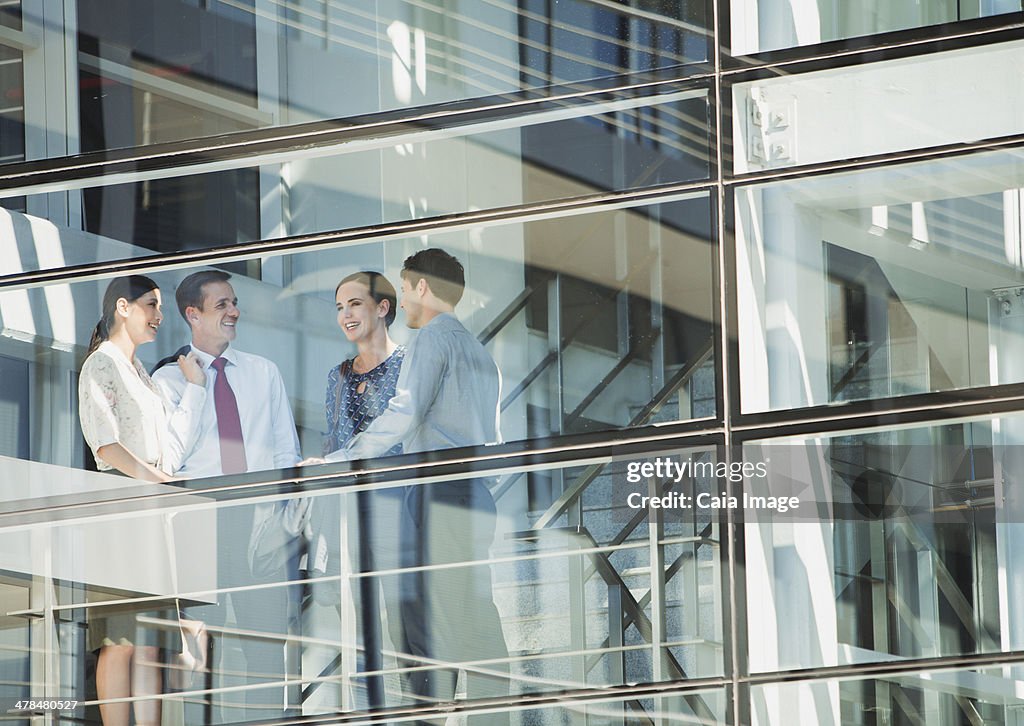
x: 779, y: 241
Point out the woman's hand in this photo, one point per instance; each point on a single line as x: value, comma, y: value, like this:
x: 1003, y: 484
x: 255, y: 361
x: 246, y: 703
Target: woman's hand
x: 129, y: 464
x: 191, y: 369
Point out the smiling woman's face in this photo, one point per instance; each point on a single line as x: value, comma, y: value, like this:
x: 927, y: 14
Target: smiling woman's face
x: 359, y: 314
x: 143, y: 317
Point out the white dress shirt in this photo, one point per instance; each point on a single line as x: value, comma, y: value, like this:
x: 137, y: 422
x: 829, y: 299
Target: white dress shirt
x: 268, y: 428
x: 268, y: 433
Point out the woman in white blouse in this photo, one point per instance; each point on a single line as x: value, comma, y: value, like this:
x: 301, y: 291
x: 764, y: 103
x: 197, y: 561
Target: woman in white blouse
x: 132, y: 428
x: 126, y: 420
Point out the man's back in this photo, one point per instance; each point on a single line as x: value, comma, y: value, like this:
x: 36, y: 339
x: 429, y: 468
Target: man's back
x: 464, y: 412
x: 447, y: 396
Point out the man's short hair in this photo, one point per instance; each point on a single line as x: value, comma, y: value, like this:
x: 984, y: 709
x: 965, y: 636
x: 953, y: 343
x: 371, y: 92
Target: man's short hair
x: 444, y: 274
x: 190, y: 291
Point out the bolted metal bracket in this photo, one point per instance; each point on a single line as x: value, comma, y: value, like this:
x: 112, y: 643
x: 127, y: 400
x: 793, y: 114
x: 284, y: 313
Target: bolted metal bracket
x: 771, y: 129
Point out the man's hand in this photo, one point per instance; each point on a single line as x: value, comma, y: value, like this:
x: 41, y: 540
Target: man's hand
x: 312, y: 461
x: 191, y: 369
x: 296, y: 515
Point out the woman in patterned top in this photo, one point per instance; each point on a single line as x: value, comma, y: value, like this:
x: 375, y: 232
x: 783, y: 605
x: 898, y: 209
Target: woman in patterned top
x: 132, y: 428
x: 359, y: 389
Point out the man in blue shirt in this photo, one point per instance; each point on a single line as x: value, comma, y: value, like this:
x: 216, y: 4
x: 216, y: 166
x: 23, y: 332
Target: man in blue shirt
x: 447, y: 396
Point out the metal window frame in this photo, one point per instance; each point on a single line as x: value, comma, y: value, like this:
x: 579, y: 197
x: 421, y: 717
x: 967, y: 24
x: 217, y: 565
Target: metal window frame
x: 729, y: 429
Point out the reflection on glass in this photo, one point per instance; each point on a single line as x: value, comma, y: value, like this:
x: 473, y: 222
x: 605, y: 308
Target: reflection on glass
x: 12, y: 104
x: 939, y: 697
x: 559, y: 150
x: 386, y: 596
x: 11, y: 14
x: 596, y: 321
x: 906, y: 552
x: 877, y: 108
x: 763, y: 25
x: 150, y: 71
x: 883, y: 283
x: 705, y: 707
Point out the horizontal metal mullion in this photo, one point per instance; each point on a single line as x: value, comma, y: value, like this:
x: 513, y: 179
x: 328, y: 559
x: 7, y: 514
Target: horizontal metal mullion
x: 512, y: 703
x: 316, y: 134
x: 911, y: 411
x: 893, y: 45
x: 885, y: 668
x: 876, y: 161
x: 692, y: 685
x: 405, y: 469
x: 303, y: 243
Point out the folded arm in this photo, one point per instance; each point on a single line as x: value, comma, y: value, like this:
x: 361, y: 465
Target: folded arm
x: 129, y: 464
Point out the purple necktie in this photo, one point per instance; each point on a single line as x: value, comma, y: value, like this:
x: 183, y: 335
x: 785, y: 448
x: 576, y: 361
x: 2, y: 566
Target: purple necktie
x: 229, y: 425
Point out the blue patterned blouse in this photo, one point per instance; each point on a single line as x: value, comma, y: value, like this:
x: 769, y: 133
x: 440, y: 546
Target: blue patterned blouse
x: 350, y: 412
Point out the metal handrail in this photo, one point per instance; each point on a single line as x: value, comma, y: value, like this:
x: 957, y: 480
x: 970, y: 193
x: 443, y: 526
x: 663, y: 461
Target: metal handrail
x: 635, y: 613
x: 944, y: 579
x: 572, y: 493
x: 638, y: 348
x: 666, y: 392
x: 644, y: 601
x: 505, y: 316
x: 855, y: 368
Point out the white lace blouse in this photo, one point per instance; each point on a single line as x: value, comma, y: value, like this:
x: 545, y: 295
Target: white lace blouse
x: 119, y: 403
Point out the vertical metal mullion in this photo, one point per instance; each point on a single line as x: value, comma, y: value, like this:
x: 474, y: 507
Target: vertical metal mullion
x: 326, y: 6
x: 616, y: 640
x: 656, y: 554
x: 578, y: 614
x: 349, y: 544
x: 657, y: 285
x: 624, y: 332
x: 49, y: 67
x: 557, y: 390
x: 879, y: 608
x: 577, y: 568
x: 549, y: 13
x: 73, y: 198
x: 733, y: 593
x: 273, y: 178
x: 44, y: 666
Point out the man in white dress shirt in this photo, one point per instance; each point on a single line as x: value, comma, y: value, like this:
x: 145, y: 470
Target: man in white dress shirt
x: 246, y: 425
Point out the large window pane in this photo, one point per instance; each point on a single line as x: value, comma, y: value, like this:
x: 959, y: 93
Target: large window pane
x: 877, y: 108
x: 559, y: 150
x: 148, y: 71
x: 900, y: 549
x: 596, y: 321
x: 415, y: 578
x: 882, y: 283
x: 763, y: 25
x: 937, y: 697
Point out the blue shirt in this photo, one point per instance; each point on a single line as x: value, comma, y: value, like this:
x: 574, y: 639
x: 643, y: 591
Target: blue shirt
x: 447, y: 396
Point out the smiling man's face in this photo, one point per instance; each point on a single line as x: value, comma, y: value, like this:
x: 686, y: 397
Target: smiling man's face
x: 213, y: 326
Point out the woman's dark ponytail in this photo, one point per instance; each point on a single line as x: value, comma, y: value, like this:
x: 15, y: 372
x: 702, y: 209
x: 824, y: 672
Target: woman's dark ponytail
x: 131, y: 288
x: 100, y: 333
